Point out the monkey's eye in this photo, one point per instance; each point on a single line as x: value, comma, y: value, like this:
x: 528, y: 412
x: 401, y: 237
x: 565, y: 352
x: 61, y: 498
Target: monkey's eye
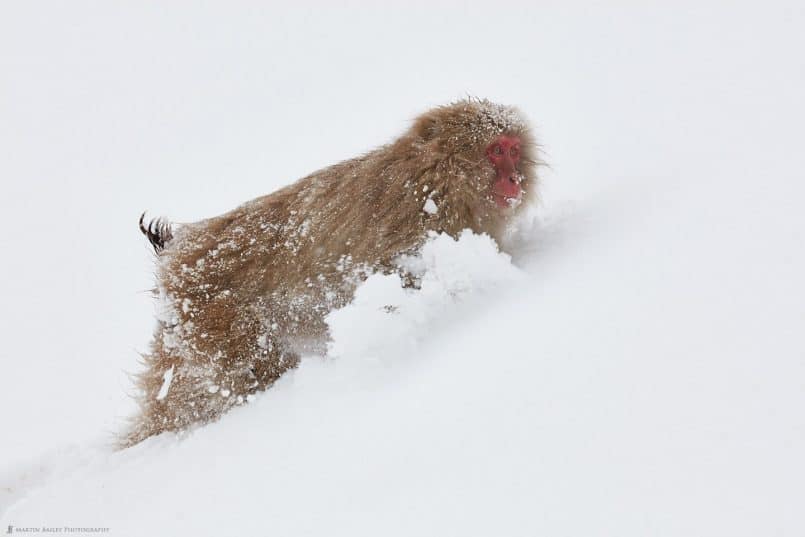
x: 514, y: 151
x: 497, y: 150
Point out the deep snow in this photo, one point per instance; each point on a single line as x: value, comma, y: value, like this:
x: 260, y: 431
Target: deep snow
x: 638, y: 368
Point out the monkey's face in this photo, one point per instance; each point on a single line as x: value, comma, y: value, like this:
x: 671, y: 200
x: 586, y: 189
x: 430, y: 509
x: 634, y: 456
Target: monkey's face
x: 504, y: 154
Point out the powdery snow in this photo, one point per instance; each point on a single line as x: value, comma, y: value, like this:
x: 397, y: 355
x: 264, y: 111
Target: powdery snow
x: 387, y: 320
x: 166, y: 384
x: 430, y: 206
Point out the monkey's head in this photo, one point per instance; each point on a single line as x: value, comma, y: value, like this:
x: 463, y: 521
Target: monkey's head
x: 482, y: 156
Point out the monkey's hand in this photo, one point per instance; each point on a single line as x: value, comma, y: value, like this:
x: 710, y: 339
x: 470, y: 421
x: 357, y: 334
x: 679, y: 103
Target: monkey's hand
x: 158, y: 232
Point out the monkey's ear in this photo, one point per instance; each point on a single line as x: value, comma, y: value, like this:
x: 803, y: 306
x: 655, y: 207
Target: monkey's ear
x: 425, y: 128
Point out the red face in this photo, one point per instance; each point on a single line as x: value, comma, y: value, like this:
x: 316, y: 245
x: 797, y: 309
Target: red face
x: 504, y: 154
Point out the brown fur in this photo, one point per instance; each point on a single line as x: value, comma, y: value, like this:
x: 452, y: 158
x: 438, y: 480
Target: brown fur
x: 243, y: 294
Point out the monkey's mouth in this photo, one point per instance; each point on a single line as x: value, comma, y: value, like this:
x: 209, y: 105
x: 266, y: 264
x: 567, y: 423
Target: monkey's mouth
x: 507, y: 202
x: 507, y: 192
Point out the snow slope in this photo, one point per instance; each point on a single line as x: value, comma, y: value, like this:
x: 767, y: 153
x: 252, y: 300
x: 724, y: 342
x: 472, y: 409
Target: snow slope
x: 636, y: 368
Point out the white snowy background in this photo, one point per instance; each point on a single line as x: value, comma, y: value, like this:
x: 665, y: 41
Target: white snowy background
x: 637, y: 369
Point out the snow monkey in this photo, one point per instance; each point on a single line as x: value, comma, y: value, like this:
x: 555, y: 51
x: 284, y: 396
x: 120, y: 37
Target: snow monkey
x: 243, y: 295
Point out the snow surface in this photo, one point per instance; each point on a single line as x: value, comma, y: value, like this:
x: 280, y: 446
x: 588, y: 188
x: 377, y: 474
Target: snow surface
x: 636, y: 368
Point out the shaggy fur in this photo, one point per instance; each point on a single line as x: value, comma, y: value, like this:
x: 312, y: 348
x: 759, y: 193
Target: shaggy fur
x: 242, y: 295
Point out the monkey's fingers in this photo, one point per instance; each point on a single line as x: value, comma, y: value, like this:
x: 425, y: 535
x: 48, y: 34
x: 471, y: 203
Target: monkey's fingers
x: 142, y: 227
x: 158, y: 232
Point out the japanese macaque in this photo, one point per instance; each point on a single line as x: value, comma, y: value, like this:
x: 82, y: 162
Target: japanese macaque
x: 243, y: 295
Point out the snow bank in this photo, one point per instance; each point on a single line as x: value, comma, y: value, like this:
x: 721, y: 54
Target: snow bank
x: 386, y: 319
x: 373, y: 337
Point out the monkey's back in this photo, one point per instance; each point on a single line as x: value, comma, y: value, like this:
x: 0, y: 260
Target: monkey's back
x: 242, y: 295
